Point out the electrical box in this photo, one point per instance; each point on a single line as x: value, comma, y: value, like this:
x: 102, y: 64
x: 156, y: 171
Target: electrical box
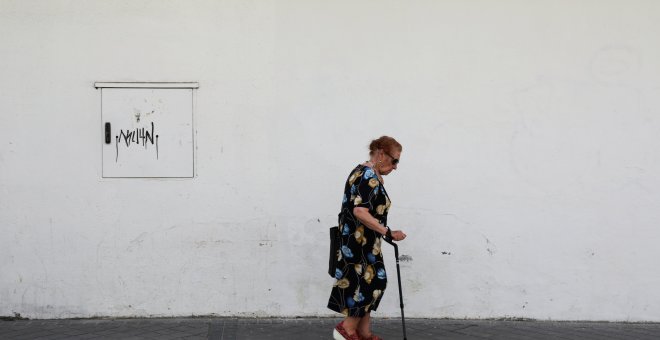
x: 147, y: 129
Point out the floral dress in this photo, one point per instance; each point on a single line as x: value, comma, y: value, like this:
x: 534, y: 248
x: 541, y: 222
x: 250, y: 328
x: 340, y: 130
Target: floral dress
x: 360, y: 274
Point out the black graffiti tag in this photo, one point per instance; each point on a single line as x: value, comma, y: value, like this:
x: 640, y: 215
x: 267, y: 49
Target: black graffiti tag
x: 137, y: 137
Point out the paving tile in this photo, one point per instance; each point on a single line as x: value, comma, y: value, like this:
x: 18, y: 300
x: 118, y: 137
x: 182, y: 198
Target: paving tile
x: 320, y: 328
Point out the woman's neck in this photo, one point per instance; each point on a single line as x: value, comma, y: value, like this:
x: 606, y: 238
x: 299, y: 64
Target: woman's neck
x: 370, y: 163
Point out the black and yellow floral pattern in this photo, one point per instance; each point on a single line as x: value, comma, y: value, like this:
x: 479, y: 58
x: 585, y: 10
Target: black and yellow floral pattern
x: 360, y: 275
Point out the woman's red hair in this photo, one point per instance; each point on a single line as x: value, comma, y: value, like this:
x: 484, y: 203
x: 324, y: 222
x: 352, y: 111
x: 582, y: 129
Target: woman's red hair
x: 385, y: 143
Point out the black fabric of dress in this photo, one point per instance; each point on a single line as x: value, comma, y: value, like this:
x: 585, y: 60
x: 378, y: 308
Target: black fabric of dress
x: 360, y: 275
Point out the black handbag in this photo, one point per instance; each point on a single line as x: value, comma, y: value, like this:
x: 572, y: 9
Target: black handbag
x: 334, y: 249
x: 335, y: 240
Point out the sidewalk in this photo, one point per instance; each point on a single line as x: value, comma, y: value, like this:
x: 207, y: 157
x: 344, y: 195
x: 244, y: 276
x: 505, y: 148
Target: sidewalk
x: 318, y: 328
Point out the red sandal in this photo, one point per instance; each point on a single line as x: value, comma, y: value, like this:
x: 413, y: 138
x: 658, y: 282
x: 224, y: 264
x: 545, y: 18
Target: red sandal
x: 340, y: 333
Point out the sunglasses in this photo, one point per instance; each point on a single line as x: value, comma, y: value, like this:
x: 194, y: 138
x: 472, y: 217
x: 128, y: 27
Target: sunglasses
x: 395, y: 161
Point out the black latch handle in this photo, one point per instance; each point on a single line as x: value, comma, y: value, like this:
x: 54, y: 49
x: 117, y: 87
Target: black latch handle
x: 107, y: 133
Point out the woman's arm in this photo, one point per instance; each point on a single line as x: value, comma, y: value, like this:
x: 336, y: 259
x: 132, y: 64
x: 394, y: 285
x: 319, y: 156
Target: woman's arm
x: 371, y: 222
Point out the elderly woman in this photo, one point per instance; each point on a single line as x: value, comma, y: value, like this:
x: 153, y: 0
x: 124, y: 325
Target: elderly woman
x: 360, y: 274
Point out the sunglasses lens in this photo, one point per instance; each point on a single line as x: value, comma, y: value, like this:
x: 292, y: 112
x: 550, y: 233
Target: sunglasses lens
x: 395, y: 161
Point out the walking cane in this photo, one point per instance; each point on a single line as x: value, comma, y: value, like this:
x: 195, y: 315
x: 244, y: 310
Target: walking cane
x: 398, y: 275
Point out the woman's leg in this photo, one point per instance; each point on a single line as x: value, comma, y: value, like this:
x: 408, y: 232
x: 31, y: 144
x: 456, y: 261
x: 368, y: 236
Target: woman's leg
x: 351, y: 324
x: 364, y: 326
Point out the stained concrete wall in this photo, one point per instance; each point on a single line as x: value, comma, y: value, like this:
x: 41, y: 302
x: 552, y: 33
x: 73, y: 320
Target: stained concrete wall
x: 528, y: 184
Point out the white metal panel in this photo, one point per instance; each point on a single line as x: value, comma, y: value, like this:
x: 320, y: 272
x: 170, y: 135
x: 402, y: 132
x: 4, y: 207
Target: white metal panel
x: 151, y: 132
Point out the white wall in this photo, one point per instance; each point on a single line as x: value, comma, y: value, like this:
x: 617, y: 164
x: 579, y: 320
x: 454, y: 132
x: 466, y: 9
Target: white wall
x: 531, y: 155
